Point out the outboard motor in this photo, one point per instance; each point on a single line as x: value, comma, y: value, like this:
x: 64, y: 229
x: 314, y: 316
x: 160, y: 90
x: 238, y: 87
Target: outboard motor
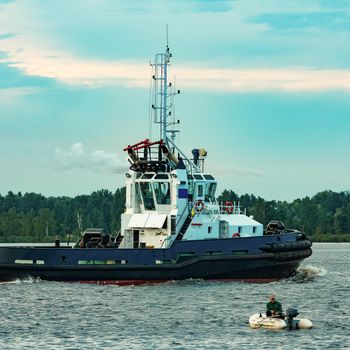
x: 291, y: 313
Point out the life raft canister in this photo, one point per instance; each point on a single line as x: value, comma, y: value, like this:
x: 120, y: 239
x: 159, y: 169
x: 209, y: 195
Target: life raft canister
x: 229, y: 207
x: 236, y: 235
x: 199, y: 206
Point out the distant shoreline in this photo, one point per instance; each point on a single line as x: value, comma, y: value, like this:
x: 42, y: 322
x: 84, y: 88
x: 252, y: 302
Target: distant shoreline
x: 32, y: 217
x: 337, y: 238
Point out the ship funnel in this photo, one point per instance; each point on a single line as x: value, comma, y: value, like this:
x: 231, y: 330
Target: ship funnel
x: 169, y: 155
x: 195, y: 153
x: 133, y: 156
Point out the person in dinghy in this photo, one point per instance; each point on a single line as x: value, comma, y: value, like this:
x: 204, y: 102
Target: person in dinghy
x: 274, y: 307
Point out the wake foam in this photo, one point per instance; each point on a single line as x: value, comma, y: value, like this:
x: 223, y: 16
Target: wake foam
x: 307, y: 273
x: 24, y: 280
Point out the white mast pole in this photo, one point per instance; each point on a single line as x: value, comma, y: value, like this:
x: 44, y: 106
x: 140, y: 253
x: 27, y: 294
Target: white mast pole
x: 166, y: 60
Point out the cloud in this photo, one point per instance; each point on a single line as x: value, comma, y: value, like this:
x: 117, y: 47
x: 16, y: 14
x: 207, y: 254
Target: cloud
x: 98, y: 160
x: 19, y: 91
x: 335, y: 4
x: 334, y: 20
x: 255, y: 80
x: 15, y: 81
x: 94, y: 73
x: 32, y: 54
x: 6, y: 36
x: 212, y: 5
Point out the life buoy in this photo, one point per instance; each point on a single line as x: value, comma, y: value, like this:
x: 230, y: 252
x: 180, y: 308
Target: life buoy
x: 236, y: 235
x: 198, y: 206
x: 228, y: 207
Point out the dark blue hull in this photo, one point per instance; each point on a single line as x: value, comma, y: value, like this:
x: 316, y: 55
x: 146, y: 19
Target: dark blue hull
x: 258, y: 259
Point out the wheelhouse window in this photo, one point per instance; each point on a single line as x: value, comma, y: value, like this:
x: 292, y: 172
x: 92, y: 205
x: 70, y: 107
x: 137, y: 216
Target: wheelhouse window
x: 161, y: 177
x: 162, y: 192
x: 147, y: 195
x: 147, y: 176
x: 200, y: 190
x: 210, y: 189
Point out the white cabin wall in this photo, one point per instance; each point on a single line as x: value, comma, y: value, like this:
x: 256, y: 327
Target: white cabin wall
x: 127, y: 233
x: 202, y: 232
x: 246, y: 223
x: 153, y: 237
x: 128, y: 194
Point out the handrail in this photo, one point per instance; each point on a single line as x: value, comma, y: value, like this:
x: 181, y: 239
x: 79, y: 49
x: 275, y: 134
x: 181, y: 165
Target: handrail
x: 192, y: 165
x: 186, y: 207
x: 169, y: 238
x: 233, y: 208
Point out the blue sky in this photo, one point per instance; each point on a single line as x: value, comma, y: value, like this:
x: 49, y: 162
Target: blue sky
x: 265, y: 89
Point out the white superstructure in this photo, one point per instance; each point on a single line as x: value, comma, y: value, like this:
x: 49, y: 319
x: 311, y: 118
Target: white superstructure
x: 168, y: 195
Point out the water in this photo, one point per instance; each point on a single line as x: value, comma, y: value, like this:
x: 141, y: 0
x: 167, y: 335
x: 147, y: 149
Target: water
x: 180, y: 315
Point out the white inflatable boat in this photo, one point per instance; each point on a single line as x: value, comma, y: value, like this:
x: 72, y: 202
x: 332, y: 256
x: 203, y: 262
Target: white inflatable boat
x: 274, y: 323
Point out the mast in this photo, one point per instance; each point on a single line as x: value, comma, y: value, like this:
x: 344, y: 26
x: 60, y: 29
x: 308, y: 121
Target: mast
x: 162, y: 93
x: 162, y: 105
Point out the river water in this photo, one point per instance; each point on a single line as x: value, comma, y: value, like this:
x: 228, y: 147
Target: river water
x: 180, y: 315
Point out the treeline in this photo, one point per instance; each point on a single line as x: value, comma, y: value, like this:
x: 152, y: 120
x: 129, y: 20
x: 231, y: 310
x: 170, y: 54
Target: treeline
x: 31, y: 217
x: 325, y: 216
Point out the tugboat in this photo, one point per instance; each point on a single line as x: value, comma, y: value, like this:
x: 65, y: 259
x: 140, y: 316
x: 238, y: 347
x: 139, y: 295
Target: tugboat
x: 173, y: 227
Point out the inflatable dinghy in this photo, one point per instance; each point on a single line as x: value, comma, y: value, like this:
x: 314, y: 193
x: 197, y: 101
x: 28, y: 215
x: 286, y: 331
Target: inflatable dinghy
x: 275, y: 323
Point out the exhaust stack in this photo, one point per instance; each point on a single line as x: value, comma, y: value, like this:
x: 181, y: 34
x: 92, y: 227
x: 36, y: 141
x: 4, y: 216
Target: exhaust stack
x: 169, y: 155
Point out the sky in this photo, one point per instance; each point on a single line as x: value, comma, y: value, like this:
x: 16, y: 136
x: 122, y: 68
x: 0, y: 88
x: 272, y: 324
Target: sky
x: 265, y: 88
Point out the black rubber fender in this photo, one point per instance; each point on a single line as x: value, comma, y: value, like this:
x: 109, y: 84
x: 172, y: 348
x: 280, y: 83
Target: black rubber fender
x: 293, y: 255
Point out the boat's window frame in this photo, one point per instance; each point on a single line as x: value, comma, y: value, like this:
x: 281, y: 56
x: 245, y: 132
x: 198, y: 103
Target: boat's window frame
x: 160, y: 195
x: 147, y: 176
x: 149, y: 203
x: 138, y: 194
x: 200, y: 190
x: 212, y: 190
x: 161, y: 177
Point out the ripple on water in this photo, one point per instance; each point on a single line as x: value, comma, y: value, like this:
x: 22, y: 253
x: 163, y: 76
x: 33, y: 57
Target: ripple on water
x: 192, y: 314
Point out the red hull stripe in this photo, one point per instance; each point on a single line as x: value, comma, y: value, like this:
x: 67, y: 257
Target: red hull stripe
x: 123, y: 282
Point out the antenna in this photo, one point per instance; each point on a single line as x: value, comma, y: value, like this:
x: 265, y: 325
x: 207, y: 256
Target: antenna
x: 160, y: 91
x: 163, y: 93
x: 167, y: 36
